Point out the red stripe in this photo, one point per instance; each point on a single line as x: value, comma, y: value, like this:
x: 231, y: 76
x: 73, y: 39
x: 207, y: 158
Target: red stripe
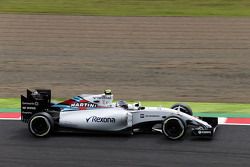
x: 70, y: 101
x: 238, y: 120
x: 84, y: 101
x: 10, y: 115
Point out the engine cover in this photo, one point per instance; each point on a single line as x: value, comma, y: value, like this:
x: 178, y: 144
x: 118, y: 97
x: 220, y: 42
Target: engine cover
x: 111, y: 119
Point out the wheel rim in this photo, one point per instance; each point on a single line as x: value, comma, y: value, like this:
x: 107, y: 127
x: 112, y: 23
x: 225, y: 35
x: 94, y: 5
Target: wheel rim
x: 173, y: 128
x: 39, y: 126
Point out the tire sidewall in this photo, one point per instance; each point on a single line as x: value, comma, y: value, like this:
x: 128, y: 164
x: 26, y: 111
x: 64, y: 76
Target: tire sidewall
x: 165, y: 132
x: 49, y: 121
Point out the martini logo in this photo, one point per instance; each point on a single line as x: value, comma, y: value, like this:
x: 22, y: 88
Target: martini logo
x: 100, y: 119
x: 83, y: 105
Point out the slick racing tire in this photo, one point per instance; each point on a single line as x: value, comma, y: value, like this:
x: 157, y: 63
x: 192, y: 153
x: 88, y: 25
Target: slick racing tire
x: 182, y: 108
x: 173, y: 128
x: 41, y: 124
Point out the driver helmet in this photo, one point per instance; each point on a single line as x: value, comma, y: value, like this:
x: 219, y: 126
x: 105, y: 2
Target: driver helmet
x: 108, y: 92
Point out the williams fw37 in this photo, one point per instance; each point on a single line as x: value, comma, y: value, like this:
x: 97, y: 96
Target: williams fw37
x: 98, y: 114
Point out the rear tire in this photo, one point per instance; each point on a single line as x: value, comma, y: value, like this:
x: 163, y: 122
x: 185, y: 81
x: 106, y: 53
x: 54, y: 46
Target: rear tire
x: 41, y: 124
x: 174, y: 128
x: 183, y: 108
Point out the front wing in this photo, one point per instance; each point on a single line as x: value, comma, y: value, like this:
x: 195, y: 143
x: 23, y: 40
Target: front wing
x: 206, y: 132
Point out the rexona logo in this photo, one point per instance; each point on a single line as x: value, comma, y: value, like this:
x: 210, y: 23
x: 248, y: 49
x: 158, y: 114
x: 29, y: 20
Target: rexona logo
x: 100, y: 119
x: 83, y: 105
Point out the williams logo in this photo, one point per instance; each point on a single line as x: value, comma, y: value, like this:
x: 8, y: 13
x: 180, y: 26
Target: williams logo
x: 100, y: 119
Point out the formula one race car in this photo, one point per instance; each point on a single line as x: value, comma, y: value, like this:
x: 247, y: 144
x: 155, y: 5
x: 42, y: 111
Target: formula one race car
x: 97, y: 113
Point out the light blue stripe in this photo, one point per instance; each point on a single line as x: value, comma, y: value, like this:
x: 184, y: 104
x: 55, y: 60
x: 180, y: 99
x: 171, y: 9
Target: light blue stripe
x: 61, y: 105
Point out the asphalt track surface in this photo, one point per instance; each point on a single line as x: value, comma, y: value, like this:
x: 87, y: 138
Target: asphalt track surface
x: 230, y: 147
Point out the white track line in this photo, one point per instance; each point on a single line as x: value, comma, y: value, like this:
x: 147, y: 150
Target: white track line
x: 235, y: 124
x: 222, y: 120
x: 16, y: 119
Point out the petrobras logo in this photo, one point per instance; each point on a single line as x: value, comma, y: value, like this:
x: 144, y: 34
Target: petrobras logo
x: 83, y: 105
x: 100, y: 119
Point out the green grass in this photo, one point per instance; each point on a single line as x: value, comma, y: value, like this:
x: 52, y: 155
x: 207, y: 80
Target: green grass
x: 10, y: 103
x: 130, y: 7
x: 200, y: 109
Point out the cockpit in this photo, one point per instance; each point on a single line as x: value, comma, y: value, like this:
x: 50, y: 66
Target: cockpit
x: 125, y: 105
x: 122, y: 104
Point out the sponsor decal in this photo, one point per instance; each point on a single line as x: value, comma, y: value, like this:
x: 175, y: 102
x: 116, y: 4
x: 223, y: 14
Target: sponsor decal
x: 29, y: 108
x: 100, y: 119
x: 102, y: 97
x: 145, y: 116
x: 141, y: 115
x: 152, y: 115
x: 28, y: 103
x: 204, y: 132
x: 83, y: 105
x: 26, y: 112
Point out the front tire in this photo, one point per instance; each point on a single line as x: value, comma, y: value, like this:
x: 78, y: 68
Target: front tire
x: 173, y: 128
x: 41, y: 124
x: 183, y: 108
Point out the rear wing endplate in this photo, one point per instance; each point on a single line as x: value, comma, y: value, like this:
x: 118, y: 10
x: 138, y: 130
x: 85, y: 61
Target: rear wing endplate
x: 34, y: 102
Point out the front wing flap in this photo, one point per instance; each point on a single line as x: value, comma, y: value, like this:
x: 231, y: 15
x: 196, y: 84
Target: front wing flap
x: 203, y: 132
x: 206, y: 132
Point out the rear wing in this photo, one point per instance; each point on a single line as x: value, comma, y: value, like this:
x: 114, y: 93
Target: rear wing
x: 34, y: 102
